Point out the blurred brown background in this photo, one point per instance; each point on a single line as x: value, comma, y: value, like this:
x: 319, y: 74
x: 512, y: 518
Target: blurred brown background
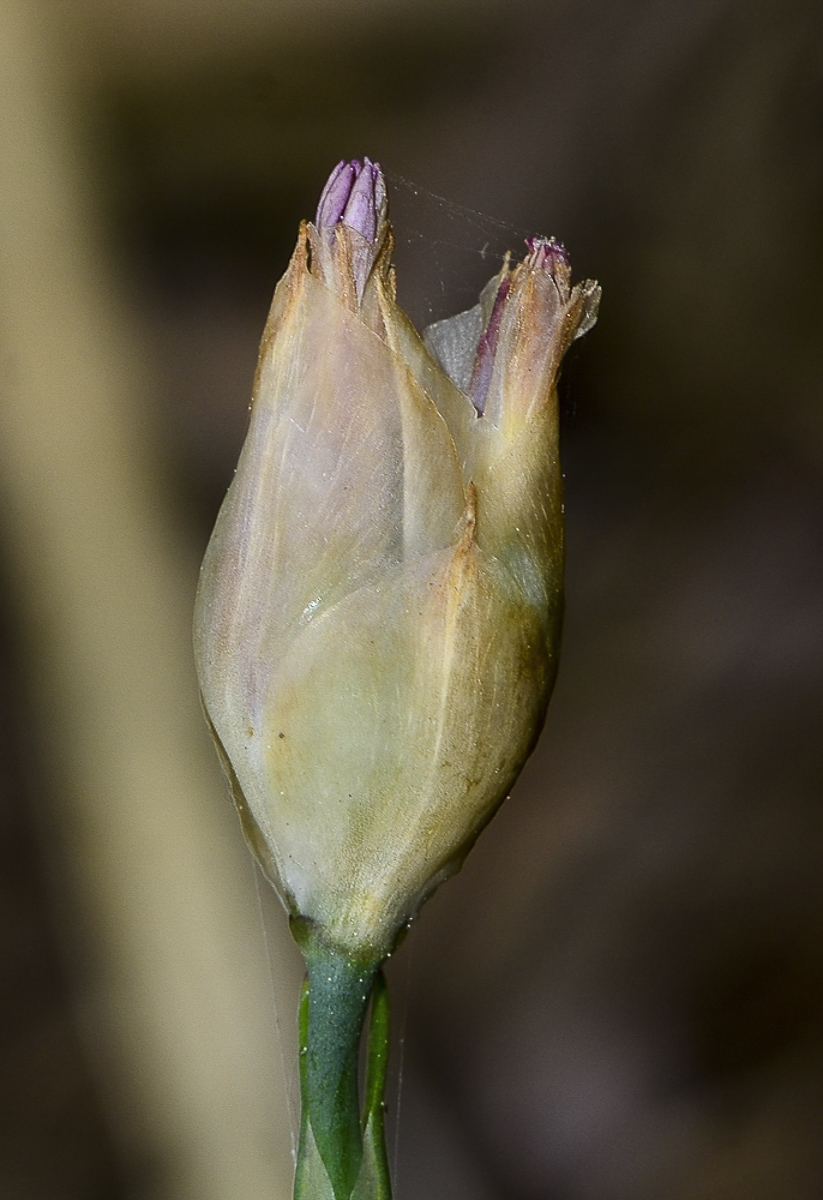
x: 621, y: 997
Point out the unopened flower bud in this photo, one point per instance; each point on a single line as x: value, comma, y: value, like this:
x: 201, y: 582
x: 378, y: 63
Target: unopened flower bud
x: 379, y: 609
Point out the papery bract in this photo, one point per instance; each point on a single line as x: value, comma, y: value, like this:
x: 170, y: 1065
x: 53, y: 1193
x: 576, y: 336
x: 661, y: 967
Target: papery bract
x: 379, y: 609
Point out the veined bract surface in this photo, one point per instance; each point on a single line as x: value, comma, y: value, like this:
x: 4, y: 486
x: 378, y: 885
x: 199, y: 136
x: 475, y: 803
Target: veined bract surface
x: 379, y: 609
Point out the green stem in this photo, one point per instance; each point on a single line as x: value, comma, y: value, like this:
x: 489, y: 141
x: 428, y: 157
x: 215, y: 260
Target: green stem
x: 374, y: 1182
x: 340, y: 1156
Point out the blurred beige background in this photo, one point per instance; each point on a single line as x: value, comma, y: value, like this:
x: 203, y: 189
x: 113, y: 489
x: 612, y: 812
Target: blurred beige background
x: 621, y: 996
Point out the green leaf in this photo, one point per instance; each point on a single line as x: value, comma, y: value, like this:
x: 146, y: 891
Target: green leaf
x: 373, y: 1182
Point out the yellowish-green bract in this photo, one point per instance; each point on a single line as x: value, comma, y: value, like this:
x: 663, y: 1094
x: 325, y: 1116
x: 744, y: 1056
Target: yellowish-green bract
x: 379, y: 609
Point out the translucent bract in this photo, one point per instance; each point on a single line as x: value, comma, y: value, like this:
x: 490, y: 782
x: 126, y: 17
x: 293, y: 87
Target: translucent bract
x: 379, y: 608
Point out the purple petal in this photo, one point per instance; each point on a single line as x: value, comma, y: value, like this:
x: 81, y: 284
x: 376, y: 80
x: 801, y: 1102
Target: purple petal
x: 486, y: 349
x: 546, y: 253
x: 336, y: 194
x: 361, y: 211
x: 354, y: 195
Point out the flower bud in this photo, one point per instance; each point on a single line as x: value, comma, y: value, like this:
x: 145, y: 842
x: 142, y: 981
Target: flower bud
x: 379, y: 608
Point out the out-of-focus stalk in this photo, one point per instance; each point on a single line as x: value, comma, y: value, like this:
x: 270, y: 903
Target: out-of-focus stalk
x: 151, y: 895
